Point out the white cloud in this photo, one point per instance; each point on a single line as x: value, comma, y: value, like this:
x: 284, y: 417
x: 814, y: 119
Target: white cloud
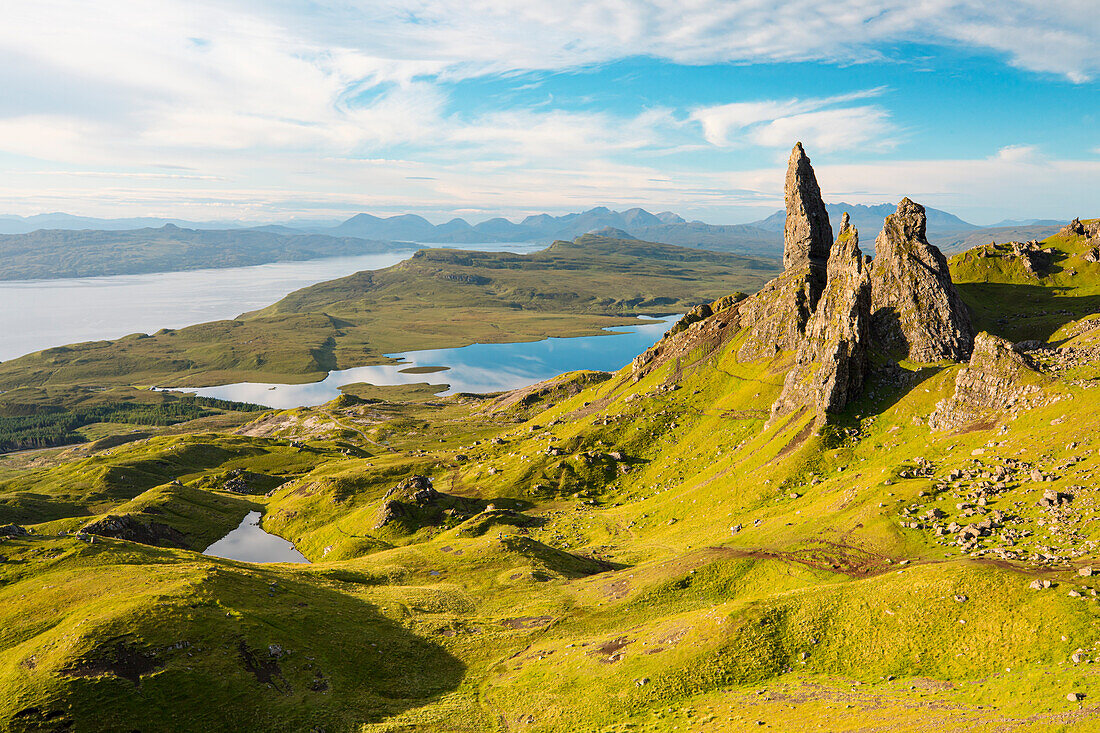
x: 820, y: 123
x: 1018, y: 154
x: 271, y: 101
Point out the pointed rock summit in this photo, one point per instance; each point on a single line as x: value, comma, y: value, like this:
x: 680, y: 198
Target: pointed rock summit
x: 807, y: 234
x: 916, y: 311
x: 832, y: 359
x: 777, y: 315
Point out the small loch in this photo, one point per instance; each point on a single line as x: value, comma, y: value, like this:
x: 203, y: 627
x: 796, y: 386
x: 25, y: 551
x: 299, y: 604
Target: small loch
x: 250, y: 543
x: 473, y: 368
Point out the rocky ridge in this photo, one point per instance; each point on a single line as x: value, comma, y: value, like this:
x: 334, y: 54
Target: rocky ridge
x: 995, y: 380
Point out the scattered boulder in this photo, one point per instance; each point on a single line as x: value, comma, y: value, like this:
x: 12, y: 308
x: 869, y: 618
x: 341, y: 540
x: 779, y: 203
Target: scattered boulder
x: 12, y: 530
x: 1052, y: 498
x: 916, y: 311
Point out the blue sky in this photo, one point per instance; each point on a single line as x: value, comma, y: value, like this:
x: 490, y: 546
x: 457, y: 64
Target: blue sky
x: 268, y: 109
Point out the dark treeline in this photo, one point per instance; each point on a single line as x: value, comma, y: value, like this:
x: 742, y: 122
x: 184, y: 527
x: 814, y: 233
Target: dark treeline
x: 48, y: 429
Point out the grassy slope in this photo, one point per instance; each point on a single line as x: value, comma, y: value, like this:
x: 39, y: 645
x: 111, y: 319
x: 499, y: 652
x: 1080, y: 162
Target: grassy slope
x: 437, y: 299
x: 718, y: 576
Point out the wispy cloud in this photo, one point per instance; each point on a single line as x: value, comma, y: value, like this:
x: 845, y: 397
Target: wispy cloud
x: 824, y: 123
x: 350, y: 101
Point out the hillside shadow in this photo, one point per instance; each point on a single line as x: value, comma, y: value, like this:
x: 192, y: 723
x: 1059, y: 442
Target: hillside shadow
x: 262, y: 644
x: 1020, y: 312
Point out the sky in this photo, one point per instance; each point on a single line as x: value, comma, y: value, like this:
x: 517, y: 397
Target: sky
x: 271, y: 110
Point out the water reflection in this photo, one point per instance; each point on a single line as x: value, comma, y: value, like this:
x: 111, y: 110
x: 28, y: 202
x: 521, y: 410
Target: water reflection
x: 474, y: 368
x: 249, y: 543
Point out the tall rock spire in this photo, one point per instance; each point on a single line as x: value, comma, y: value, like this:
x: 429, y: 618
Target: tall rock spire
x: 832, y: 359
x: 916, y: 311
x: 807, y: 234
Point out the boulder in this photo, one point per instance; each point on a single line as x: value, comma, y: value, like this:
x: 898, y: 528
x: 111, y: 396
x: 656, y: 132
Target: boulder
x: 916, y: 311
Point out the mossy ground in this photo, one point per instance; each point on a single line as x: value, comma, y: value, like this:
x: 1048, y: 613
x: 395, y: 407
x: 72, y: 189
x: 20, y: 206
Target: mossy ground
x: 682, y: 568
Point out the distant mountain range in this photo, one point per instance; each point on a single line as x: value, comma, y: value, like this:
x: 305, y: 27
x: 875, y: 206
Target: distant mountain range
x: 759, y: 238
x: 63, y: 245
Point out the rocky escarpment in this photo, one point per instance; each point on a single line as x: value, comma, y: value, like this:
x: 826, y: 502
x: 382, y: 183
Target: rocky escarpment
x: 916, y: 311
x: 832, y: 359
x: 994, y: 382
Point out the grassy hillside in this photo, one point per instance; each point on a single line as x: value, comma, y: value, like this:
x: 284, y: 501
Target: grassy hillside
x: 439, y: 298
x: 624, y: 552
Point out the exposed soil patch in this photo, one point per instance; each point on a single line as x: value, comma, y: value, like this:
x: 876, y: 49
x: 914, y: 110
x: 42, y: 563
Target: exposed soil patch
x: 526, y: 622
x: 264, y: 669
x: 851, y: 561
x: 120, y: 660
x: 798, y: 439
x: 611, y: 651
x: 617, y: 589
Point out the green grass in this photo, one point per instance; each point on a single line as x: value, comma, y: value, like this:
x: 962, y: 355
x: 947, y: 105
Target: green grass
x: 711, y: 575
x: 438, y: 298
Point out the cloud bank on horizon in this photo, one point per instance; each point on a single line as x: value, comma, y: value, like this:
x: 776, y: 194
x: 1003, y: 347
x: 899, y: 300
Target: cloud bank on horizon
x: 266, y: 109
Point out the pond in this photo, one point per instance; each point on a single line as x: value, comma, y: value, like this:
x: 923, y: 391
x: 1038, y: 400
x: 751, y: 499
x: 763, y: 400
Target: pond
x: 474, y: 368
x: 249, y: 543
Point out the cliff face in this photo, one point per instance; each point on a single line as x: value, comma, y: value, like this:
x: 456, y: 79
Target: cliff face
x: 916, y: 311
x: 777, y: 315
x: 832, y: 359
x: 807, y: 234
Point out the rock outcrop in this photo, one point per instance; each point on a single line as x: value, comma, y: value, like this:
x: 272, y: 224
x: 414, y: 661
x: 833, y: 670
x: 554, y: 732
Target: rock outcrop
x: 1035, y: 259
x: 997, y: 381
x: 414, y: 503
x: 136, y: 529
x: 12, y: 530
x: 832, y: 359
x: 807, y: 234
x: 777, y: 315
x: 916, y: 311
